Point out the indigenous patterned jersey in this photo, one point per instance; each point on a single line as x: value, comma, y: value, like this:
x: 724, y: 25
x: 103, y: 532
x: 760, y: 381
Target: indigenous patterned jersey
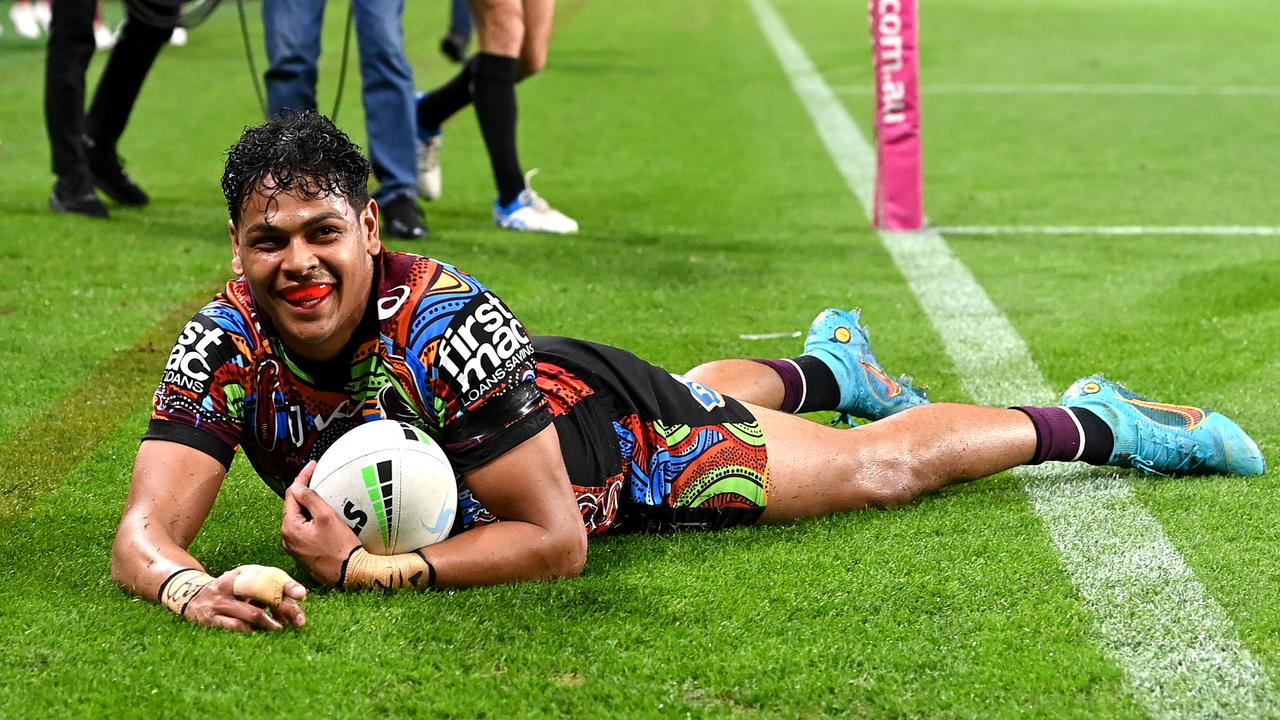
x: 436, y: 349
x: 644, y: 449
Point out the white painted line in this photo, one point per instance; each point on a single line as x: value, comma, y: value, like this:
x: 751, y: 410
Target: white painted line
x: 769, y: 336
x: 1083, y: 89
x: 1200, y: 230
x: 1155, y: 620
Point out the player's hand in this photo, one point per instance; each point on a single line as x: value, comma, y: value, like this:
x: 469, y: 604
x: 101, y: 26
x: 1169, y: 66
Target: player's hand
x: 240, y: 598
x: 313, y: 533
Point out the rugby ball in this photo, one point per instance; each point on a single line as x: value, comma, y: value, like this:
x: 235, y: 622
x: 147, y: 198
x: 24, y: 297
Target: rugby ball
x: 392, y: 485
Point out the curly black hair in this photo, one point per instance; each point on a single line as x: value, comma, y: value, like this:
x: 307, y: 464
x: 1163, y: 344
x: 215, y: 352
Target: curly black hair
x: 296, y: 152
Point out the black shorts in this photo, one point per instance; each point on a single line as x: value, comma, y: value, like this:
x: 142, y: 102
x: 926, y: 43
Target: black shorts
x: 647, y: 449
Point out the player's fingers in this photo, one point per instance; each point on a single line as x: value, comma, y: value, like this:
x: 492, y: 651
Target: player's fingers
x: 304, y: 476
x: 290, y: 612
x: 294, y: 589
x: 260, y: 619
x: 229, y: 623
x: 291, y: 507
x: 246, y: 615
x: 251, y: 616
x: 309, y: 499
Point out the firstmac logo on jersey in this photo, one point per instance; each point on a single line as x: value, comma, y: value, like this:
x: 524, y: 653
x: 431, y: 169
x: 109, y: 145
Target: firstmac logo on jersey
x: 484, y: 348
x: 188, y: 365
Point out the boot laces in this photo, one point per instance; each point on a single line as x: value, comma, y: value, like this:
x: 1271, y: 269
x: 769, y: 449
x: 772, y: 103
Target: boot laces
x: 1163, y: 451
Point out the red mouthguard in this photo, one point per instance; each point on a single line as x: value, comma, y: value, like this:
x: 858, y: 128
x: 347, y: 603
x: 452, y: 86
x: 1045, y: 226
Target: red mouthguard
x: 306, y: 294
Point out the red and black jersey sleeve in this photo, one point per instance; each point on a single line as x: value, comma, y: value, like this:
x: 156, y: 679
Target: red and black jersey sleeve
x: 200, y: 400
x: 483, y: 365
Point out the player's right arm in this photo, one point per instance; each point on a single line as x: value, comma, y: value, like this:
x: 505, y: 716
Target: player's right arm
x: 170, y: 495
x: 195, y: 425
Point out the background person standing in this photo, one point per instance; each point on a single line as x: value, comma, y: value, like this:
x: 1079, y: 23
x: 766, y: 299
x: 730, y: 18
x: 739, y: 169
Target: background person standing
x: 292, y: 30
x: 83, y: 147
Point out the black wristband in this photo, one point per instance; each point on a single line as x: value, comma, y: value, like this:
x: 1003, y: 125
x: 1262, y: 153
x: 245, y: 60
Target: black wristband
x: 183, y: 612
x: 431, y: 570
x: 342, y: 575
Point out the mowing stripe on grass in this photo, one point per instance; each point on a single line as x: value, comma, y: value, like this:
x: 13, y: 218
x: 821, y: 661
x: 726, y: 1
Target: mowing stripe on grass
x: 42, y: 456
x: 1083, y: 89
x: 1155, y: 620
x: 1201, y: 230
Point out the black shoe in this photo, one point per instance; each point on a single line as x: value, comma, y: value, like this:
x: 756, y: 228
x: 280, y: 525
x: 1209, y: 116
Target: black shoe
x: 454, y: 47
x: 402, y: 218
x: 74, y: 194
x: 109, y: 175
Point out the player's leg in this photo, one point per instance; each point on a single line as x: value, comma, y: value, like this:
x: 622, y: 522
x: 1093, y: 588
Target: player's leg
x: 500, y: 33
x: 503, y: 29
x: 291, y: 29
x: 818, y: 470
x: 837, y: 371
x: 454, y: 44
x: 751, y: 381
x: 388, y: 94
x: 131, y: 59
x: 538, y: 17
x: 67, y: 56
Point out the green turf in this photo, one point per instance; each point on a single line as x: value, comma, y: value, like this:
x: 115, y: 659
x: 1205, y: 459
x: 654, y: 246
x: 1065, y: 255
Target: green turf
x: 709, y: 210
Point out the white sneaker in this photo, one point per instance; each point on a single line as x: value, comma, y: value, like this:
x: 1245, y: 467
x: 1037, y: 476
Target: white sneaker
x: 430, y: 177
x: 44, y: 14
x: 530, y: 213
x: 179, y: 36
x: 103, y: 38
x: 24, y: 21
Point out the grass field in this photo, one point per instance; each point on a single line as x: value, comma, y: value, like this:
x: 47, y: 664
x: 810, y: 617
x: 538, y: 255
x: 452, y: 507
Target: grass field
x: 710, y: 209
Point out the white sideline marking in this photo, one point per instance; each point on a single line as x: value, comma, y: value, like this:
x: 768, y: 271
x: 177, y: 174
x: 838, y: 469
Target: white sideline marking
x: 1083, y: 89
x: 769, y: 336
x: 1155, y: 620
x: 1202, y: 230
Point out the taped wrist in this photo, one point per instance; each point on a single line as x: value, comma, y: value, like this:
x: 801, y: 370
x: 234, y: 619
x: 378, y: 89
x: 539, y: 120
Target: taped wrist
x: 363, y: 570
x: 179, y: 588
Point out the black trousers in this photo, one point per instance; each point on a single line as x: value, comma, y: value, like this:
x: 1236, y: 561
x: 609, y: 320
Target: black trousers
x: 69, y: 50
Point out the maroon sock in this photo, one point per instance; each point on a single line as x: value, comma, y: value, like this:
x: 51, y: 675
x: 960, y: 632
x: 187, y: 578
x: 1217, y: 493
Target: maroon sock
x: 807, y: 384
x: 1069, y: 434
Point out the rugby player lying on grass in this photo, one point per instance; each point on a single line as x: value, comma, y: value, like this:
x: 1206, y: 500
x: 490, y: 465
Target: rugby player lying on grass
x: 554, y: 439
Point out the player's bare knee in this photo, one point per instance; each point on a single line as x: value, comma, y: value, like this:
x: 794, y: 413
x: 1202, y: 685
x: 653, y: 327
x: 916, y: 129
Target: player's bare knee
x: 890, y: 480
x: 499, y: 26
x: 565, y: 555
x: 532, y: 61
x: 893, y: 493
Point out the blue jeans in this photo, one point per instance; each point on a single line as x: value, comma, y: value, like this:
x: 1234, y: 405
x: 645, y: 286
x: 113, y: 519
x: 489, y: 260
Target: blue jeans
x: 460, y: 19
x: 292, y: 29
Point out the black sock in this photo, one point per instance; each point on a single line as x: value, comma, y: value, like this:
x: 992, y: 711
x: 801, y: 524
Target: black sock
x: 808, y: 384
x: 1098, y: 438
x: 449, y: 98
x: 494, y: 92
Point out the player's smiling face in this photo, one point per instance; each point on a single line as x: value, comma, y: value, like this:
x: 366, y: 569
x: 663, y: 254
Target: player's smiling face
x: 309, y: 263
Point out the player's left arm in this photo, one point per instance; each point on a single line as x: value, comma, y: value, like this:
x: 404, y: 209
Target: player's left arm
x: 541, y: 535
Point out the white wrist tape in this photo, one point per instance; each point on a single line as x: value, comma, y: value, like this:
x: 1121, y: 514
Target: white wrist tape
x: 180, y: 587
x: 366, y: 571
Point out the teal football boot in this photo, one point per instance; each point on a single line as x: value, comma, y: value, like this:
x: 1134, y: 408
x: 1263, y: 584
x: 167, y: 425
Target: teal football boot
x: 838, y: 339
x: 1163, y: 439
